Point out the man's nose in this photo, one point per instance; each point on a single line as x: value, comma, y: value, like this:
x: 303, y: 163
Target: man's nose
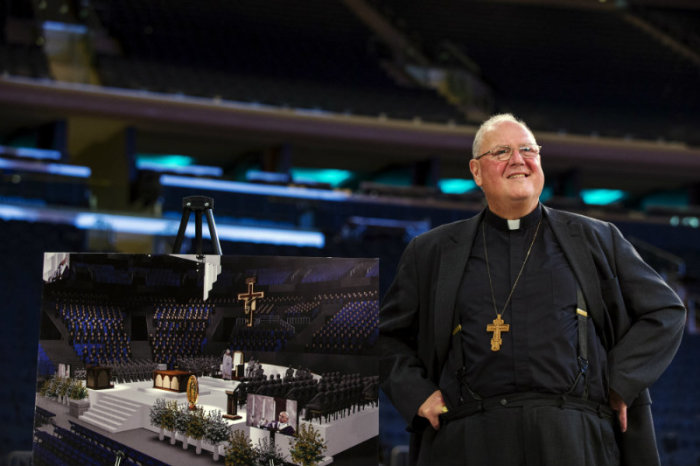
x: 516, y: 157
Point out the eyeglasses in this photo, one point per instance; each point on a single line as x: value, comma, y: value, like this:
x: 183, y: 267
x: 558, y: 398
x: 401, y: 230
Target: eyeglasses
x: 503, y: 153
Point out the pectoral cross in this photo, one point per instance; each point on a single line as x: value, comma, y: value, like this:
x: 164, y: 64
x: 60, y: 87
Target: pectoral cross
x: 497, y: 327
x: 249, y: 299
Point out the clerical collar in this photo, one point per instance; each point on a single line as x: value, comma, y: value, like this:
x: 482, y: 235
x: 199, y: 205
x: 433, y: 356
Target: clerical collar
x: 527, y: 221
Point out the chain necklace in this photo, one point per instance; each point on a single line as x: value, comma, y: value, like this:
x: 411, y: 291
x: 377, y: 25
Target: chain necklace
x: 498, y: 325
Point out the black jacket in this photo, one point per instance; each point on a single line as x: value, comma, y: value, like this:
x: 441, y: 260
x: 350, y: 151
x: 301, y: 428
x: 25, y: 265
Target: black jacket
x: 637, y: 315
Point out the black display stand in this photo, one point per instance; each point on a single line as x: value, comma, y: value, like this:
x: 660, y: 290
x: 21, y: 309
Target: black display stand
x: 98, y: 377
x: 231, y: 405
x: 198, y: 204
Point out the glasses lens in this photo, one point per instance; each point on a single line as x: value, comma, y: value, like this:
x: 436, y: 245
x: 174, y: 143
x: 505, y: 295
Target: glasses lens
x: 529, y: 151
x: 501, y: 152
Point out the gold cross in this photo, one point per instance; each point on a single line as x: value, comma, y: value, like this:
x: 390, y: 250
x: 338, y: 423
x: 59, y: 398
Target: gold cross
x: 249, y: 299
x: 497, y: 327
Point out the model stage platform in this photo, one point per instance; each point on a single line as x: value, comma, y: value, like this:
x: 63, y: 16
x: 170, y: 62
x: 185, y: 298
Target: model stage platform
x: 127, y: 406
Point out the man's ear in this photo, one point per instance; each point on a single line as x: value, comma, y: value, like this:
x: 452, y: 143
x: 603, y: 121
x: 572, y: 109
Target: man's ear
x: 475, y: 168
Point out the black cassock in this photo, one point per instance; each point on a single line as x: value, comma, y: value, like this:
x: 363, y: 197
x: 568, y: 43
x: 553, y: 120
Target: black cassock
x: 523, y: 420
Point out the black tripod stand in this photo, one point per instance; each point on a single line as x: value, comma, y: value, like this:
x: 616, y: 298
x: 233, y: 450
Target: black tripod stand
x: 198, y: 204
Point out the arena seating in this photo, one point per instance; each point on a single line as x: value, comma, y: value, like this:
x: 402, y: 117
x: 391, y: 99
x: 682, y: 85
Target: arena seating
x: 268, y: 335
x: 334, y: 396
x: 302, y: 313
x: 42, y: 416
x: 179, y: 331
x: 325, y: 58
x: 353, y: 329
x: 80, y: 445
x: 676, y: 407
x: 96, y: 331
x: 514, y: 54
x: 682, y: 24
x: 207, y: 365
x: 339, y: 395
x: 135, y: 370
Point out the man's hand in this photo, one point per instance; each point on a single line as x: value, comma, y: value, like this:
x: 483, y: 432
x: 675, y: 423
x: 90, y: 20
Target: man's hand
x: 432, y: 408
x: 617, y: 404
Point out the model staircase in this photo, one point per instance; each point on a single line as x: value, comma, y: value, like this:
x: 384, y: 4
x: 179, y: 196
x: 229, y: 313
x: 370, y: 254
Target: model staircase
x: 113, y: 414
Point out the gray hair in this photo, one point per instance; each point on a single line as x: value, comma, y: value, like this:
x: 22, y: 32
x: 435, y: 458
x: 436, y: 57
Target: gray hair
x: 489, y: 125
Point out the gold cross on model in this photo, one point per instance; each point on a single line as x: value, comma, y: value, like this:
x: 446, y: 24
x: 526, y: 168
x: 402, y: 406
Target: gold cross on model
x: 497, y: 327
x: 249, y: 299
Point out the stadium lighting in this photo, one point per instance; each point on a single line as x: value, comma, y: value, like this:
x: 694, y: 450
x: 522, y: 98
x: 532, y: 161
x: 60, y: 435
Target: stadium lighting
x: 456, y: 185
x: 250, y: 188
x: 161, y: 227
x: 31, y: 153
x: 331, y: 176
x: 602, y: 196
x: 76, y: 171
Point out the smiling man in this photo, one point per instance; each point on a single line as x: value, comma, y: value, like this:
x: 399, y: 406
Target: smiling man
x: 525, y: 335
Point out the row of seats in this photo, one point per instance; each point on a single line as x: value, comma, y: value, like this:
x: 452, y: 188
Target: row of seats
x: 264, y: 337
x: 96, y: 331
x: 190, y: 312
x: 308, y: 55
x: 301, y: 390
x: 96, y: 440
x: 206, y: 365
x: 53, y: 450
x: 352, y: 329
x: 593, y: 92
x: 99, y: 354
x: 135, y: 370
x: 179, y: 330
x: 343, y: 396
x: 42, y: 416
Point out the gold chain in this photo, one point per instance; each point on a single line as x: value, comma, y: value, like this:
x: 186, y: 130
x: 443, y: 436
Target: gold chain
x: 522, y: 267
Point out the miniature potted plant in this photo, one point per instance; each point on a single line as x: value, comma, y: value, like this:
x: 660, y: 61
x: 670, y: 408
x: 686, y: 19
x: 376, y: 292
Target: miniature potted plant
x: 217, y: 431
x: 307, y: 446
x: 268, y: 454
x: 77, y: 394
x: 240, y: 451
x: 62, y: 390
x: 44, y: 390
x: 78, y: 391
x: 157, y: 414
x: 168, y: 420
x: 196, y: 427
x: 51, y: 390
x: 181, y: 420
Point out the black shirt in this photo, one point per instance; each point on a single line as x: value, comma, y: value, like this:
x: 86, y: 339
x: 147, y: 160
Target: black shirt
x: 539, y: 352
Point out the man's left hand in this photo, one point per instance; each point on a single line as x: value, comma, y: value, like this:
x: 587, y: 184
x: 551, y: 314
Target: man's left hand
x: 618, y: 404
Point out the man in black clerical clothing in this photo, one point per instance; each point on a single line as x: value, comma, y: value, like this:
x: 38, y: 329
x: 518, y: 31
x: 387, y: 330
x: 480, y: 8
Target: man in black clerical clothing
x: 525, y: 335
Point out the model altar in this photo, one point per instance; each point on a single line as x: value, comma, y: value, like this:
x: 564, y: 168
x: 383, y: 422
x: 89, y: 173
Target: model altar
x: 171, y: 380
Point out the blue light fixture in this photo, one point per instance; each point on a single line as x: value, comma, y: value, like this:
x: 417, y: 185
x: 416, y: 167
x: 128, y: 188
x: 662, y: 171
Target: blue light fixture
x: 251, y: 188
x: 456, y: 185
x: 62, y: 169
x: 331, y: 176
x: 602, y: 196
x: 165, y: 160
x: 31, y: 152
x: 162, y: 227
